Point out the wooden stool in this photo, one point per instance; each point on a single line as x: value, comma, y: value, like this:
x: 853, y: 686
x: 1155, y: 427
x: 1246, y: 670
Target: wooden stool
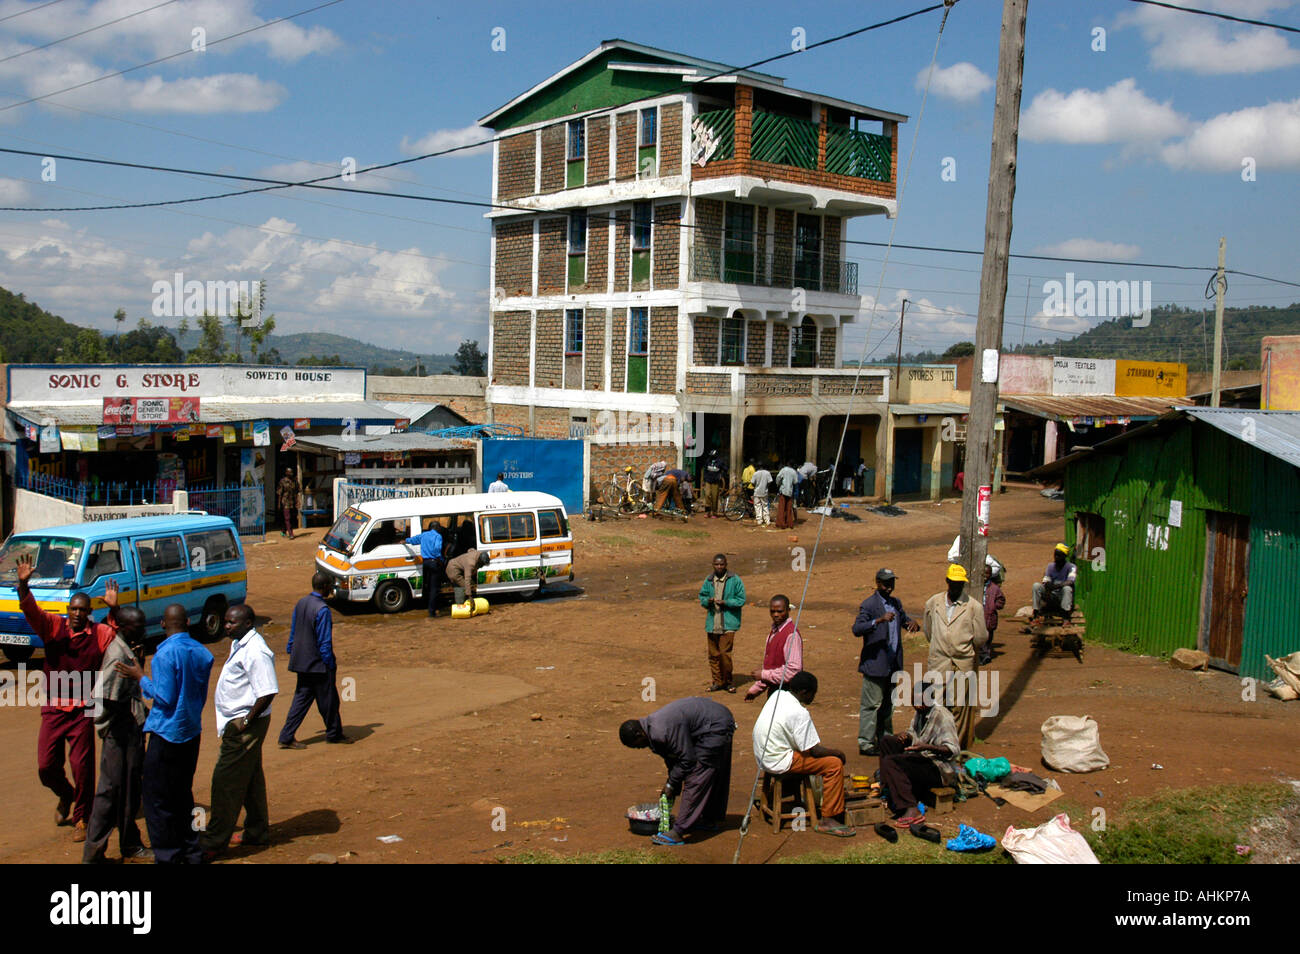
x: 772, y: 799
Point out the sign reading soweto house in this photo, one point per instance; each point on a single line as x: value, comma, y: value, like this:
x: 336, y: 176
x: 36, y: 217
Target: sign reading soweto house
x: 1083, y: 376
x: 90, y: 383
x: 778, y: 385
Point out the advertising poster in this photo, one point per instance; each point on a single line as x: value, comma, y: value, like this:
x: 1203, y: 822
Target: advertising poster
x: 132, y: 410
x: 261, y: 434
x: 49, y: 439
x: 252, y: 492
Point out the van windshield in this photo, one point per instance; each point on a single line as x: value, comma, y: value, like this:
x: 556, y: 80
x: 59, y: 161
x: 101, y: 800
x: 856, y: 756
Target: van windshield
x: 49, y: 555
x: 343, y: 534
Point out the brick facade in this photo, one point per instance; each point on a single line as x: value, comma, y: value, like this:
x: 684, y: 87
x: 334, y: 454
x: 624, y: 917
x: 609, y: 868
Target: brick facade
x: 705, y: 345
x: 783, y: 245
x: 663, y: 351
x: 625, y: 146
x: 597, y: 150
x: 826, y: 347
x: 515, y: 414
x: 755, y: 343
x: 607, y: 459
x: 517, y: 166
x: 514, y: 264
x: 597, y: 251
x: 708, y: 224
x: 780, y: 346
x: 670, y: 139
x: 831, y: 252
x: 552, y: 257
x: 510, y: 341
x: 708, y: 383
x: 618, y: 350
x: 843, y: 385
x: 667, y: 244
x: 778, y: 385
x: 622, y: 250
x: 550, y: 349
x: 553, y: 167
x: 573, y: 371
x: 593, y: 328
x: 551, y: 422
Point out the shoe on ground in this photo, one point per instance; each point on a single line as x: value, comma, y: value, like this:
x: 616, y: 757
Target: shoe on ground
x: 716, y: 687
x: 62, y: 810
x: 887, y: 832
x: 836, y: 829
x: 79, y: 831
x: 869, y: 750
x: 237, y: 840
x: 341, y: 740
x: 140, y: 855
x: 293, y: 744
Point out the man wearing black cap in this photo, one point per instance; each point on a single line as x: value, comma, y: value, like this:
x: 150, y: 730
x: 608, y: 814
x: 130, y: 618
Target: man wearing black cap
x: 880, y: 620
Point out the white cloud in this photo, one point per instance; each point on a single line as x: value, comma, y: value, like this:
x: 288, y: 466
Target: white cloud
x: 963, y: 82
x: 1066, y: 324
x: 14, y: 192
x: 1120, y: 113
x: 1202, y: 45
x: 1091, y: 248
x: 441, y: 139
x: 223, y: 93
x: 387, y: 180
x: 1270, y: 135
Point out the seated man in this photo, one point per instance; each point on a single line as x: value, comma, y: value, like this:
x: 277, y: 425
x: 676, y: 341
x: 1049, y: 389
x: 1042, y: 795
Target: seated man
x: 1056, y: 591
x: 786, y: 742
x: 913, y: 763
x: 693, y: 736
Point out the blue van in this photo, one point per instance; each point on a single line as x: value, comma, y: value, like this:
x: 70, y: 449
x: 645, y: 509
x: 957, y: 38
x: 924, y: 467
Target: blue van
x: 189, y: 558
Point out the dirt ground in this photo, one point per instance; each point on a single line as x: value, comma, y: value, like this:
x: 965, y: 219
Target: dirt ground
x: 481, y: 738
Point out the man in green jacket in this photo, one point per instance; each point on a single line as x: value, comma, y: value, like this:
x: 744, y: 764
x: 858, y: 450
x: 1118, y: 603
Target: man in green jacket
x: 723, y: 597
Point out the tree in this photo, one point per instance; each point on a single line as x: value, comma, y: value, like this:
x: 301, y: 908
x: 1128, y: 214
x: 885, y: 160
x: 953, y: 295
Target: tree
x: 962, y: 349
x: 211, y: 348
x: 470, y: 361
x: 120, y: 317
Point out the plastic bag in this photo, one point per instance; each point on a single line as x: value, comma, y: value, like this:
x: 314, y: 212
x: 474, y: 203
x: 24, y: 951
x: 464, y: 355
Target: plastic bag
x: 1073, y: 744
x: 1051, y: 843
x: 988, y: 769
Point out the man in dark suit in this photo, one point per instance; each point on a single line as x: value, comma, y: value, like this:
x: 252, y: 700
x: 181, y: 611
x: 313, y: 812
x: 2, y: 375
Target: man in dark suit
x: 311, y: 657
x: 879, y: 624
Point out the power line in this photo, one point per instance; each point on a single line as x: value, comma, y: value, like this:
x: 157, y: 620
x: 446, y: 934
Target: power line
x: 23, y: 13
x: 170, y: 56
x: 73, y: 36
x: 1219, y: 16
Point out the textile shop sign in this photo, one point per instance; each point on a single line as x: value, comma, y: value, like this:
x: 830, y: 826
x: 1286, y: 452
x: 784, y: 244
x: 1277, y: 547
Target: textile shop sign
x: 1083, y: 376
x: 161, y: 410
x: 39, y: 385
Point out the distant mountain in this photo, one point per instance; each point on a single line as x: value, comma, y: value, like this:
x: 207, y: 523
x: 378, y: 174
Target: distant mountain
x: 320, y: 344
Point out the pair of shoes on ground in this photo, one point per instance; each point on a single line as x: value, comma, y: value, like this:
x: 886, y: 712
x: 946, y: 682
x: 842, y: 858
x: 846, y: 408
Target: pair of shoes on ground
x: 722, y: 687
x: 295, y: 744
x: 915, y: 823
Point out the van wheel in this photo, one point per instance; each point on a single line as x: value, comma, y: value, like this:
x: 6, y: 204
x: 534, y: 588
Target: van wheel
x: 214, y: 617
x: 392, y: 596
x: 19, y: 654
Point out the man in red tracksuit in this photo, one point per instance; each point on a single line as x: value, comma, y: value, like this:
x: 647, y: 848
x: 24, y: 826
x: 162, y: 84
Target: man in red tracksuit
x: 74, y: 653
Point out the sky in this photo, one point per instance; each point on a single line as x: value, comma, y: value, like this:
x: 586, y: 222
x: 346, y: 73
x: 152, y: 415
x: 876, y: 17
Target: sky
x: 1145, y: 136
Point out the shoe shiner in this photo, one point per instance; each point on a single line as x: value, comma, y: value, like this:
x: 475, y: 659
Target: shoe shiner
x: 1056, y: 589
x: 923, y: 758
x: 693, y: 737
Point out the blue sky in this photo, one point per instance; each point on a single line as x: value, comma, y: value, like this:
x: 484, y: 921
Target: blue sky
x: 1132, y: 153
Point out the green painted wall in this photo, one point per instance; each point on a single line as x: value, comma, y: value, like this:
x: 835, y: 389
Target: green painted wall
x: 591, y: 87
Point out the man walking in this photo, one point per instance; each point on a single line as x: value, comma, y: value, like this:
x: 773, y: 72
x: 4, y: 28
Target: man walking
x: 783, y: 653
x: 245, y: 688
x: 462, y: 574
x: 723, y: 597
x: 762, y: 481
x: 287, y: 493
x: 881, y: 619
x: 74, y: 651
x: 787, y: 478
x: 179, y: 688
x: 433, y: 561
x: 693, y: 737
x: 714, y: 480
x: 311, y: 658
x: 954, y: 625
x: 119, y: 722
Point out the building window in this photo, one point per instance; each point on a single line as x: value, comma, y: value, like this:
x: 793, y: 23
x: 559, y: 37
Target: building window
x: 738, y: 245
x: 577, y: 248
x: 577, y: 140
x: 731, y: 341
x: 647, y: 153
x: 573, y: 331
x: 649, y: 125
x: 641, y: 226
x: 638, y: 331
x: 803, y: 344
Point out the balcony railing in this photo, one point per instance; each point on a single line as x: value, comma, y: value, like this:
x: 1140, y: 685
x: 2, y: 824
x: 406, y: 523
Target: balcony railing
x: 790, y: 267
x: 786, y: 141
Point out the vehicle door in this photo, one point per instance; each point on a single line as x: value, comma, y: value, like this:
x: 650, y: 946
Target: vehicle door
x: 108, y: 560
x: 164, y: 576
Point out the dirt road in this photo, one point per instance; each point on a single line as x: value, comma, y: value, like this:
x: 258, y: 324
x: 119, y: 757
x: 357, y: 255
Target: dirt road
x: 451, y: 758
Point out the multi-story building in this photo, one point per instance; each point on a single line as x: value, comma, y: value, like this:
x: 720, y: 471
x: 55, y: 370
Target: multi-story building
x: 669, y: 244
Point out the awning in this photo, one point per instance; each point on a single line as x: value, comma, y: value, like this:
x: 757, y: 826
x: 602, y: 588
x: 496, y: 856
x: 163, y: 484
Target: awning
x: 379, y: 443
x: 1082, y: 407
x: 213, y: 411
x: 939, y: 408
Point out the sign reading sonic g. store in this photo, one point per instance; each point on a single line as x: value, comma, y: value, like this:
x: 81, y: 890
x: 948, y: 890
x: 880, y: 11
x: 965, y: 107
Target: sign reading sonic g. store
x: 67, y: 383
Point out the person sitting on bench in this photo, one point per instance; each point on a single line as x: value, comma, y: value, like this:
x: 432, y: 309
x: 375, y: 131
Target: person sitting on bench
x: 914, y: 762
x: 787, y: 743
x: 1056, y: 590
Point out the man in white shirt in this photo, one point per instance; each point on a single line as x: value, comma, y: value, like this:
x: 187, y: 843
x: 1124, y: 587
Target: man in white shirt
x: 787, y: 478
x: 243, y: 702
x: 786, y: 743
x: 498, y: 486
x: 762, y: 481
x: 807, y: 483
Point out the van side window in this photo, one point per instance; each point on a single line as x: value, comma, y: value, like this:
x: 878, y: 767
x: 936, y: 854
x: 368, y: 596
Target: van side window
x: 384, y: 533
x: 160, y: 554
x: 211, y: 546
x: 551, y: 523
x: 507, y: 527
x: 105, y: 559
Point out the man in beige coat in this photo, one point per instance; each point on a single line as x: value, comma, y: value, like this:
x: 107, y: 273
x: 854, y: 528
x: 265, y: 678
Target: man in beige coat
x: 954, y: 625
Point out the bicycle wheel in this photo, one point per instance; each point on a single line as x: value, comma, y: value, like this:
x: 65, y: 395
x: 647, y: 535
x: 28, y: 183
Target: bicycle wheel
x: 735, y: 508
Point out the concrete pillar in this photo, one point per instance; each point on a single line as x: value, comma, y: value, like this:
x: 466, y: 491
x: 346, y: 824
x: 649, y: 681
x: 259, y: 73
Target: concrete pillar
x: 885, y: 457
x: 737, y: 443
x: 936, y: 463
x: 1049, y: 442
x: 810, y: 449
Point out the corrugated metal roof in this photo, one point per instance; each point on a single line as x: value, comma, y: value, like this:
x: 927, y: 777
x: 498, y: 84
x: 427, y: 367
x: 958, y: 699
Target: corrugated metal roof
x: 217, y: 412
x: 939, y: 408
x: 378, y: 443
x: 1067, y: 407
x: 1274, y: 432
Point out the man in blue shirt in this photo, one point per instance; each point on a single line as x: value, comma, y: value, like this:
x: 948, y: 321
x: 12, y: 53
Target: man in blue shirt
x: 311, y: 657
x: 433, y: 561
x: 179, y: 690
x: 880, y: 619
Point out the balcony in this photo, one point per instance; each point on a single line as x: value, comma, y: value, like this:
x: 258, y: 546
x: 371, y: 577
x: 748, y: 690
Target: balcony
x: 789, y: 267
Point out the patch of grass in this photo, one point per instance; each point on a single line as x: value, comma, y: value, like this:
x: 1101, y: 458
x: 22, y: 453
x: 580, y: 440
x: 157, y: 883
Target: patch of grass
x: 682, y: 534
x: 614, y: 856
x: 910, y: 850
x: 1189, y: 826
x: 619, y: 542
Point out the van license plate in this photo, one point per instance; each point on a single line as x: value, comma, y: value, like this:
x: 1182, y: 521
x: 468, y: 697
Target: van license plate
x: 13, y: 639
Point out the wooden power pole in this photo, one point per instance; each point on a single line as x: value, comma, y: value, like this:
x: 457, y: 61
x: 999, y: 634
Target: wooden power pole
x: 980, y: 436
x: 1218, y: 326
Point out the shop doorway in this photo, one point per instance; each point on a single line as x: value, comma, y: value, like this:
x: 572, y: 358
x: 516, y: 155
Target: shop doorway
x: 907, y: 461
x: 775, y: 440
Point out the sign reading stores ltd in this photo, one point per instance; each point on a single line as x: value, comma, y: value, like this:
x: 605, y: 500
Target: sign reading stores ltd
x: 93, y: 382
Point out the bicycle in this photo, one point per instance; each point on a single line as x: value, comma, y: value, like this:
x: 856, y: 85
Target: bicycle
x: 624, y: 493
x: 739, y: 505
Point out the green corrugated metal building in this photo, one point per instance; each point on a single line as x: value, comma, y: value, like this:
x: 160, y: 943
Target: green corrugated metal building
x: 1187, y: 534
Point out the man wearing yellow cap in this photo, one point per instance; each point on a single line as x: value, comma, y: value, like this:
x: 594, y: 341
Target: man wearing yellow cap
x: 1057, y: 586
x: 954, y: 625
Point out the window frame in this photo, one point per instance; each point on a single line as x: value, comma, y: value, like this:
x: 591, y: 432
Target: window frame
x: 96, y: 550
x: 234, y: 548
x: 739, y: 358
x: 184, y: 564
x: 651, y: 112
x: 561, y: 524
x: 485, y: 527
x: 575, y: 131
x: 569, y: 339
x: 632, y: 320
x: 577, y: 215
x: 797, y: 340
x: 646, y: 227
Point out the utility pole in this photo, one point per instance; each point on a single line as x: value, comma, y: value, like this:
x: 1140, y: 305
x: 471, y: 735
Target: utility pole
x: 898, y: 370
x: 1218, y: 326
x: 993, y: 287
